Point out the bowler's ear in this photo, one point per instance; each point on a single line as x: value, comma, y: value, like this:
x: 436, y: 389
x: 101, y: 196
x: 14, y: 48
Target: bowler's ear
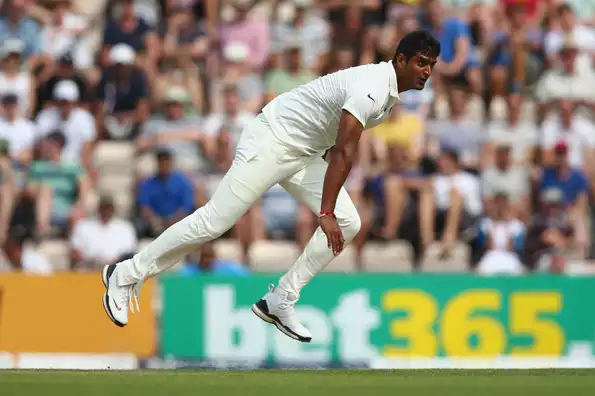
x: 401, y: 61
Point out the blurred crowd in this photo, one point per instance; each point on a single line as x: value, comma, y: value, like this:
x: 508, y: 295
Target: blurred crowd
x: 120, y: 117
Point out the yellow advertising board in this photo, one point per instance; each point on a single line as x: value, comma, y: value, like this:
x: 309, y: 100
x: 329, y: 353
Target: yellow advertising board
x: 64, y: 313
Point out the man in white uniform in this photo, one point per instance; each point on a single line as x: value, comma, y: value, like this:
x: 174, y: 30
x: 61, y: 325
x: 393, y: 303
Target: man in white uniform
x: 285, y: 145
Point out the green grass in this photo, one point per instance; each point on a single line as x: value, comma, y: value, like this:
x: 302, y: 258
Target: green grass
x: 301, y: 383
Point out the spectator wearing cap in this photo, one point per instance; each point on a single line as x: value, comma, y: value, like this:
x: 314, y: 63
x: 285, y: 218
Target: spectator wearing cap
x: 458, y: 65
x: 103, y: 239
x: 15, y: 24
x: 65, y: 32
x: 64, y: 70
x: 183, y: 37
x: 60, y: 187
x: 298, y: 23
x: 179, y: 74
x: 450, y: 205
x: 76, y: 123
x: 582, y: 36
x: 122, y: 96
x: 13, y: 80
x: 238, y: 72
x: 289, y: 77
x: 19, y: 133
x: 504, y: 178
x: 132, y: 30
x: 175, y: 131
x: 253, y: 33
x: 574, y: 186
x: 164, y: 198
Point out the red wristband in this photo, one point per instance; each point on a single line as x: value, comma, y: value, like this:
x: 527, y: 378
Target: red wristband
x: 329, y: 214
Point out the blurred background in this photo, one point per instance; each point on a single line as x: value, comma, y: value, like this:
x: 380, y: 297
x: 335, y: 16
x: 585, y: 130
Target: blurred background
x: 119, y: 118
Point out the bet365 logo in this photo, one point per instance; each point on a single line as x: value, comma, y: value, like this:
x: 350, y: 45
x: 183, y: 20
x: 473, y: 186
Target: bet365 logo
x: 232, y: 332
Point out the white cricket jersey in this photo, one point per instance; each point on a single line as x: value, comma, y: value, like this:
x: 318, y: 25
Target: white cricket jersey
x: 307, y: 118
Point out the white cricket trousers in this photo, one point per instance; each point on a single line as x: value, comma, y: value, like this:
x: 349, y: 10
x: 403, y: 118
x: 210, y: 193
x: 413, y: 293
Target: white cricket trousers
x: 260, y: 162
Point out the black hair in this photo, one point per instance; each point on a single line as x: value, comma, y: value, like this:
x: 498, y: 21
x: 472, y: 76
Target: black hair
x: 58, y: 137
x: 418, y: 42
x: 564, y: 8
x: 452, y: 154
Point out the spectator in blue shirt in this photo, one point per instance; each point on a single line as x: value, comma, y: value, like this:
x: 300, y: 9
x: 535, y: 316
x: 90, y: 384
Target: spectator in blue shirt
x: 459, y: 64
x: 209, y: 263
x: 122, y: 97
x: 574, y: 186
x: 571, y: 182
x: 15, y: 24
x: 164, y: 198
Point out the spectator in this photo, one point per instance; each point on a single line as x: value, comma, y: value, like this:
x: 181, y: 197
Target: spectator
x: 576, y: 131
x: 66, y: 33
x: 391, y: 207
x: 574, y: 187
x: 341, y: 58
x: 450, y: 205
x: 505, y: 178
x: 129, y: 29
x: 286, y: 79
x: 583, y: 36
x: 459, y: 66
x: 8, y: 190
x: 502, y: 236
x: 164, y: 198
x: 520, y: 133
x: 175, y: 132
x: 122, y: 96
x: 15, y: 24
x: 457, y: 133
x: 550, y: 234
x: 285, y: 217
x: 183, y: 37
x: 184, y: 76
x: 65, y: 70
x: 237, y: 72
x: 18, y: 132
x: 15, y: 81
x: 77, y: 124
x: 209, y: 263
x: 102, y: 240
x: 252, y: 33
x: 60, y: 187
x: 231, y: 121
x: 516, y: 59
x: 307, y: 28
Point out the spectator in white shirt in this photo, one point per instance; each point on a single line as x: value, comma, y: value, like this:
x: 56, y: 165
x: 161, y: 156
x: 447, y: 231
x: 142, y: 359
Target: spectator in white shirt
x: 450, y: 205
x: 18, y: 131
x: 102, y: 240
x: 14, y: 80
x: 502, y: 236
x: 75, y: 123
x: 583, y: 36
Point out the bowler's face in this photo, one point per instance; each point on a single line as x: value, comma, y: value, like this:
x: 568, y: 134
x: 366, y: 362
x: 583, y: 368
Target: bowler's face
x: 420, y: 70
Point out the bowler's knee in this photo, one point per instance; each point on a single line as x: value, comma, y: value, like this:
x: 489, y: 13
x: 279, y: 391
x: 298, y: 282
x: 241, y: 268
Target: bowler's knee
x: 350, y: 226
x: 211, y: 222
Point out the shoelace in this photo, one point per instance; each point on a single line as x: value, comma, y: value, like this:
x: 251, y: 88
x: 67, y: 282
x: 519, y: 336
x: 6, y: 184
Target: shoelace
x: 284, y: 305
x: 133, y: 294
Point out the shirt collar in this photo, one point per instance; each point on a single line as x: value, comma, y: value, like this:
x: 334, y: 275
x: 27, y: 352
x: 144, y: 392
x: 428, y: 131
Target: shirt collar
x: 392, y: 81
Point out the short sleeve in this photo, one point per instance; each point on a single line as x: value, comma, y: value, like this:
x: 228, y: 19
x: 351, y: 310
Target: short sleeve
x: 361, y: 104
x: 212, y: 125
x: 462, y: 30
x: 88, y: 131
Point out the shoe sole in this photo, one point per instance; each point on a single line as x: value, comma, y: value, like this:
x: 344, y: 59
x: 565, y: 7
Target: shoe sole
x: 105, y: 273
x: 272, y: 319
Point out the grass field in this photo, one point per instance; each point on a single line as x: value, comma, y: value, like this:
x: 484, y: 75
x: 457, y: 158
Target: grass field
x: 300, y: 382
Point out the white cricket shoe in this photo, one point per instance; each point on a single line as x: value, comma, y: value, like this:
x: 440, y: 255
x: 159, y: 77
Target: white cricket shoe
x: 277, y: 307
x: 117, y: 299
